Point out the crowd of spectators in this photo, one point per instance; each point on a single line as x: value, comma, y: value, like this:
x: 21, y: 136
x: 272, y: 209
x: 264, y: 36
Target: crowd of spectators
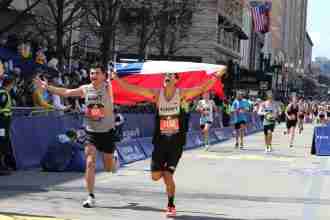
x: 25, y: 94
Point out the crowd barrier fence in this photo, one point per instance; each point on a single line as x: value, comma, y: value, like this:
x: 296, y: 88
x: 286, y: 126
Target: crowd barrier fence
x: 31, y: 136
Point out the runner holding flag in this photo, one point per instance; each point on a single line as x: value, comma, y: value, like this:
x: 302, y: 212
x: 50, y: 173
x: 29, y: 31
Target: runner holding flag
x: 170, y: 132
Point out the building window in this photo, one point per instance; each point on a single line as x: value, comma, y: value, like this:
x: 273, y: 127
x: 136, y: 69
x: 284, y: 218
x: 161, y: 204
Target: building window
x: 238, y: 45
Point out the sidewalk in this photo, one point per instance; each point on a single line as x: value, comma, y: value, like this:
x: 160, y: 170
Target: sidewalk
x: 222, y: 184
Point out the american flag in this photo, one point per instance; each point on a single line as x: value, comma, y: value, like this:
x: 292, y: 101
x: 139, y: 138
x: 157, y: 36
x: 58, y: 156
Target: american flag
x: 260, y: 16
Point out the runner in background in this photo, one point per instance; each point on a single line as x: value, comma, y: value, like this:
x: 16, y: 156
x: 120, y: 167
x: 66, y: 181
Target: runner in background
x: 269, y: 110
x: 315, y: 110
x: 240, y: 107
x: 292, y: 119
x: 322, y: 117
x: 206, y: 107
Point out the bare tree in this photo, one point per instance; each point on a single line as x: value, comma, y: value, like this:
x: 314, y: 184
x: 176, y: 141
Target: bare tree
x: 20, y: 16
x: 4, y: 4
x: 141, y: 16
x: 102, y: 19
x: 173, y: 24
x: 61, y: 18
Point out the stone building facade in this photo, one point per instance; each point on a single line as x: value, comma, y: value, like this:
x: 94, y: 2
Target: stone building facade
x: 214, y: 36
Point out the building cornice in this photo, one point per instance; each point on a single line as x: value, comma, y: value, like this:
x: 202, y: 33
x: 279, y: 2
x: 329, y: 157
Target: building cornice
x: 222, y: 49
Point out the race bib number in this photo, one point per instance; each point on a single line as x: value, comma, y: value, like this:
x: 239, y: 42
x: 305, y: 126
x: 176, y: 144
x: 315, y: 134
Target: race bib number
x: 169, y: 125
x: 2, y: 132
x: 292, y: 117
x: 95, y: 113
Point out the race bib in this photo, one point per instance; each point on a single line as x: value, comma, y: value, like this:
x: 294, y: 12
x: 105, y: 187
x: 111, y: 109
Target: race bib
x: 169, y: 125
x: 292, y: 117
x: 2, y: 132
x: 95, y: 113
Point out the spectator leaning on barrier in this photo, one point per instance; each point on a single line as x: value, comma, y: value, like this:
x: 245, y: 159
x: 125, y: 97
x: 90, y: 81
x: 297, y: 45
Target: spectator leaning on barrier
x: 6, y: 153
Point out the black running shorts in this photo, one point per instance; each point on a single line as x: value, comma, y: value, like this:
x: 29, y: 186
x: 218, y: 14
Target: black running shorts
x: 104, y: 142
x: 269, y: 128
x: 291, y: 123
x: 166, y: 154
x: 239, y: 125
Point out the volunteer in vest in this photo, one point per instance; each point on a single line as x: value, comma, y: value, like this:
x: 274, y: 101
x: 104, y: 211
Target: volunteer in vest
x: 240, y: 107
x: 99, y: 122
x: 206, y: 107
x: 170, y: 132
x: 5, y: 120
x: 270, y: 112
x: 292, y: 119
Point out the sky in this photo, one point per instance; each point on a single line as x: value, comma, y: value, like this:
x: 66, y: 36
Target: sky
x: 318, y: 26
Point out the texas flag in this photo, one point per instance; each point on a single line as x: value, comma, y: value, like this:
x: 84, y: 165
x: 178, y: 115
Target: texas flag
x: 151, y: 74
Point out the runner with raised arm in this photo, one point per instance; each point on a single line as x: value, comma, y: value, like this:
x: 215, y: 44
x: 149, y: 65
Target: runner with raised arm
x: 170, y: 132
x: 99, y: 122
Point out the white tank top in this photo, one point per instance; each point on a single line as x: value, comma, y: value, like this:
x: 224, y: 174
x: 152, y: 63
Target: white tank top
x: 99, y: 98
x: 171, y: 107
x: 169, y: 111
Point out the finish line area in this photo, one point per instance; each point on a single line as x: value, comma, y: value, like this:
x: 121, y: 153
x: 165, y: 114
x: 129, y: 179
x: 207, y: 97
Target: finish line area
x: 222, y: 183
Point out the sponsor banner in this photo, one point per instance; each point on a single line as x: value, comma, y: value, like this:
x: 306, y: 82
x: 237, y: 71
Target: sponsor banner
x: 321, y: 141
x: 195, y: 140
x: 190, y: 144
x: 130, y: 151
x: 229, y: 132
x: 31, y: 136
x: 220, y: 134
x: 212, y: 137
x: 147, y: 146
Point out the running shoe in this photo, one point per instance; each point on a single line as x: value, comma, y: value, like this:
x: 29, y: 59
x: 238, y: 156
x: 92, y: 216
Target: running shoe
x: 291, y: 146
x: 236, y: 145
x: 170, y: 212
x: 89, y: 202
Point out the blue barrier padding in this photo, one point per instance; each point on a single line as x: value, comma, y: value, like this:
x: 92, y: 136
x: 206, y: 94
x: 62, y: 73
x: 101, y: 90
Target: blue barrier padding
x: 321, y: 141
x: 78, y: 162
x: 220, y: 134
x: 130, y: 151
x: 212, y: 137
x: 228, y: 132
x: 196, y: 138
x: 147, y: 146
x: 190, y: 144
x: 31, y: 137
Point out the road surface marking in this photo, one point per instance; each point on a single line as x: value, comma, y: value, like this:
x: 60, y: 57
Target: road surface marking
x: 246, y: 157
x: 27, y: 217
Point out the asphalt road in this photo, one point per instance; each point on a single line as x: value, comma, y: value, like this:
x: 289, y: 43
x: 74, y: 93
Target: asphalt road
x: 221, y: 184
